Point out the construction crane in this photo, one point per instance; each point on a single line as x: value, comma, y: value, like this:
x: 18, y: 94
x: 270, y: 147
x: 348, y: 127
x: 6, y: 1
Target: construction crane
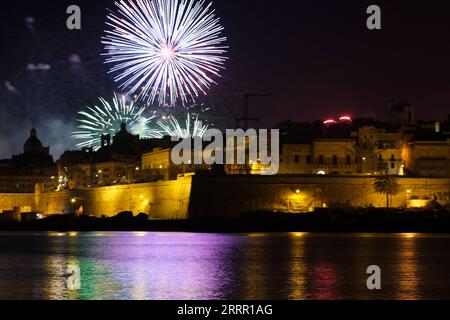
x: 246, y: 119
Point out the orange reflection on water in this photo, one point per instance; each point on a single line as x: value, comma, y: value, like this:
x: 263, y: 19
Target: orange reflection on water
x: 408, y: 277
x: 409, y: 235
x: 297, y: 267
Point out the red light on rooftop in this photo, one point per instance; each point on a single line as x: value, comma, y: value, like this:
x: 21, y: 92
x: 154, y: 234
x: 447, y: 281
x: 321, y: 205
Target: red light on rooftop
x: 345, y: 118
x: 329, y: 121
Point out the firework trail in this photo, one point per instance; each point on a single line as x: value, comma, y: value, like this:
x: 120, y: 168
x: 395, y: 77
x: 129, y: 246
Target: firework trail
x: 107, y: 119
x: 170, y: 49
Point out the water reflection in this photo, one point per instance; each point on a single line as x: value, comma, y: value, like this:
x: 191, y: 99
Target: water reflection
x: 54, y: 287
x: 407, y: 275
x: 297, y: 267
x: 141, y: 265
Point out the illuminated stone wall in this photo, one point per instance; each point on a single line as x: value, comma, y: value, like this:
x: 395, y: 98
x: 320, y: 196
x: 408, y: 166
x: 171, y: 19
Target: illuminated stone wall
x: 10, y: 200
x: 230, y: 196
x: 161, y: 200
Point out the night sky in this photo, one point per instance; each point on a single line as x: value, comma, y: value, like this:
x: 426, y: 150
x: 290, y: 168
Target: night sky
x: 317, y: 58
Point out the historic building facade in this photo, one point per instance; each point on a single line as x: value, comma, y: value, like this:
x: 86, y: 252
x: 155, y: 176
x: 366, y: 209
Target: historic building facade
x: 35, y: 165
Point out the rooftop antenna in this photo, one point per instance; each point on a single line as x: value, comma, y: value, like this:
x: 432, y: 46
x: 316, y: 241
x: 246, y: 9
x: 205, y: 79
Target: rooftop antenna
x: 246, y: 117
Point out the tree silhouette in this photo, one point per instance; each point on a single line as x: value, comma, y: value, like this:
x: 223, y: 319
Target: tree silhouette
x: 387, y: 185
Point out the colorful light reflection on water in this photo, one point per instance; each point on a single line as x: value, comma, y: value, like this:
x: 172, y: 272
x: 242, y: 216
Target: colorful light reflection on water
x: 139, y: 265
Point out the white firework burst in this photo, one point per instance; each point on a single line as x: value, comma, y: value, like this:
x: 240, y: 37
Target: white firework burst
x: 192, y: 128
x: 107, y: 119
x: 170, y: 49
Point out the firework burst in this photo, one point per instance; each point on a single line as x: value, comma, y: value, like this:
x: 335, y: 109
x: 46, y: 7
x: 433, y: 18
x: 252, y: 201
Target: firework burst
x: 107, y: 119
x: 170, y: 49
x: 191, y: 128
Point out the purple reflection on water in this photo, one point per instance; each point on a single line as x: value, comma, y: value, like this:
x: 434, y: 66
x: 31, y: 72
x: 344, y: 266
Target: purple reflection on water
x: 167, y: 266
x: 135, y: 265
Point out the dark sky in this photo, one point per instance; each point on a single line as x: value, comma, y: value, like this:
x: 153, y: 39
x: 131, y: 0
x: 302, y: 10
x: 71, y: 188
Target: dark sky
x: 316, y: 57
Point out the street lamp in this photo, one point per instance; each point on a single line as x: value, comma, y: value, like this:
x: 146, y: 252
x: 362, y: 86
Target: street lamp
x: 74, y: 202
x: 408, y: 197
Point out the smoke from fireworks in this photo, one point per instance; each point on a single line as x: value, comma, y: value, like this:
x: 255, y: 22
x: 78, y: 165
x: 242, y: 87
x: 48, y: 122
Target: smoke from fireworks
x: 165, y: 48
x: 107, y: 119
x: 191, y: 128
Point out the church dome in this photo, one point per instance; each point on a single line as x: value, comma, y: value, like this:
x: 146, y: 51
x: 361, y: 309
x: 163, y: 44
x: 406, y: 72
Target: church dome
x: 33, y: 143
x: 33, y: 140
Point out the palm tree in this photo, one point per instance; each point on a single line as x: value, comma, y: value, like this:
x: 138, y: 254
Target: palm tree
x: 387, y: 185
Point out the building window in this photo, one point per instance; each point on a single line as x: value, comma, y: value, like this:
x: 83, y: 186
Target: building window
x: 308, y: 159
x: 297, y: 158
x: 321, y: 161
x: 392, y: 157
x: 392, y: 165
x: 335, y: 160
x: 380, y: 158
x: 348, y: 160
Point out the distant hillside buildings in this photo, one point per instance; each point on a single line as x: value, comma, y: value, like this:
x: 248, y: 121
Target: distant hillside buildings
x: 399, y: 146
x: 368, y: 147
x: 116, y: 162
